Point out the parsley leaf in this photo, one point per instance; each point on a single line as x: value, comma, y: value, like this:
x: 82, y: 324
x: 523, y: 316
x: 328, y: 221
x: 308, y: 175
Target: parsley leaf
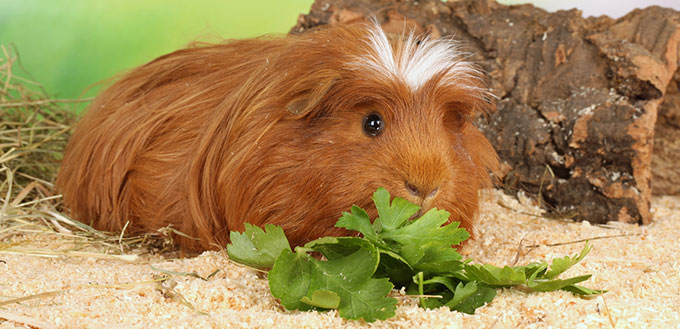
x: 494, y: 275
x: 461, y: 297
x: 344, y: 281
x: 356, y: 274
x: 471, y: 300
x: 412, y: 246
x: 580, y: 290
x: 392, y: 216
x: 359, y: 221
x: 322, y: 299
x: 257, y: 248
x: 554, y: 284
x: 290, y: 278
x: 427, y: 229
x: 559, y: 265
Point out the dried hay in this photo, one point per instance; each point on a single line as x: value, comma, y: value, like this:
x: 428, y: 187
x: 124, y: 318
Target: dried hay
x: 34, y: 130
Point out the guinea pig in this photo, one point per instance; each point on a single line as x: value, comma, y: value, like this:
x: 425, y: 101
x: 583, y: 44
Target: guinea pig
x: 288, y: 130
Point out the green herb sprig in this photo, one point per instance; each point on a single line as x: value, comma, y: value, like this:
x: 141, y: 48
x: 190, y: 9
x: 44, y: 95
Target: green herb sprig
x: 357, y: 274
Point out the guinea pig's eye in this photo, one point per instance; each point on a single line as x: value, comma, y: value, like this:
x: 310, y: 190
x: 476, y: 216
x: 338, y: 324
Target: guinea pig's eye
x: 373, y: 124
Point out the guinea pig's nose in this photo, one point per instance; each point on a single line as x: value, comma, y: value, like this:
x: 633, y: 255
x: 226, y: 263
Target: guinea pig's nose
x: 421, y: 192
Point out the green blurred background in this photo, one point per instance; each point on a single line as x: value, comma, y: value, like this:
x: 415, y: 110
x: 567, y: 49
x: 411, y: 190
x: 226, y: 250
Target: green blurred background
x: 68, y: 45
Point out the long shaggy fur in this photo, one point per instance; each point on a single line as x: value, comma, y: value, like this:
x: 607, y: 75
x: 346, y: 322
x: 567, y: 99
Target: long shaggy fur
x: 269, y: 130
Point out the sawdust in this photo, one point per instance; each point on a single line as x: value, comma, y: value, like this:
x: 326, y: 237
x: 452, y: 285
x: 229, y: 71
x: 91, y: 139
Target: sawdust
x: 638, y: 265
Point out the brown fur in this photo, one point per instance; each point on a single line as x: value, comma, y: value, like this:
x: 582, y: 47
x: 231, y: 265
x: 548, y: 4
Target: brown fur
x: 268, y: 131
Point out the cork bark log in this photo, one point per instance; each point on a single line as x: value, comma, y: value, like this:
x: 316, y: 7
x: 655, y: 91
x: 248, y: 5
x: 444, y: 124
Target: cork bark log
x: 578, y: 97
x: 666, y: 155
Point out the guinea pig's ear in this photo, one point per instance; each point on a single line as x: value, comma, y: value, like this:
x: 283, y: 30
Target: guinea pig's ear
x: 454, y: 118
x: 458, y: 113
x: 309, y: 94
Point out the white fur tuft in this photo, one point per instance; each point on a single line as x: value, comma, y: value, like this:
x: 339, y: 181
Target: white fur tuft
x: 416, y: 62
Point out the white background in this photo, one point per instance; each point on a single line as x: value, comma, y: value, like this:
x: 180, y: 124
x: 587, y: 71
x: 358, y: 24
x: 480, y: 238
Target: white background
x: 611, y: 8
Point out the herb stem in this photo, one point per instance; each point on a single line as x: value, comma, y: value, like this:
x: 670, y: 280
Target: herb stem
x: 420, y: 289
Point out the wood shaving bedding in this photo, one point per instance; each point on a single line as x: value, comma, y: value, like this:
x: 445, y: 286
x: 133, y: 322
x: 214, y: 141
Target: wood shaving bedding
x: 638, y: 265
